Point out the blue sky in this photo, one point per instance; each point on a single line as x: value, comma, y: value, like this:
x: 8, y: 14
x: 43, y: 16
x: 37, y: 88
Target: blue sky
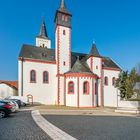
x: 113, y: 24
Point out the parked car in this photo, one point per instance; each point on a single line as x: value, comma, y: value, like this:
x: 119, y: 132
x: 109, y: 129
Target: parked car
x: 20, y: 100
x: 5, y: 108
x: 15, y: 106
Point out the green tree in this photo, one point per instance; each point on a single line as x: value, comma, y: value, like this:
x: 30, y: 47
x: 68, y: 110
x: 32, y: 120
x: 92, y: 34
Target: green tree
x: 126, y: 82
x: 121, y: 83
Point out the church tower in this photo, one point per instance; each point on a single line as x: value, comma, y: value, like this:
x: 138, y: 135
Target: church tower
x: 63, y: 46
x: 42, y: 39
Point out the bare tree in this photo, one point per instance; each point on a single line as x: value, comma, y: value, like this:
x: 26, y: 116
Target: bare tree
x: 138, y: 68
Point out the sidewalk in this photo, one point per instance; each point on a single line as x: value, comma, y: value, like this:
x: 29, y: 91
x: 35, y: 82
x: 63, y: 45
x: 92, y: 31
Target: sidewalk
x: 62, y: 110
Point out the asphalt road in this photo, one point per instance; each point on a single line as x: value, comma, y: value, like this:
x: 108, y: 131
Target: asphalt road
x: 20, y: 126
x: 98, y: 127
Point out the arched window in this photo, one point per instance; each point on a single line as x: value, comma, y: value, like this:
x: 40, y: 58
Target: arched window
x: 113, y: 81
x: 45, y: 77
x: 86, y: 87
x: 106, y: 81
x: 33, y: 76
x: 71, y: 88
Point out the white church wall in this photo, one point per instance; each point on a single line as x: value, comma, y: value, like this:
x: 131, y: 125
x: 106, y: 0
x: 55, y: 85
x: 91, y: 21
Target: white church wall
x: 71, y: 99
x: 40, y: 42
x: 97, y: 66
x: 64, y: 49
x: 85, y: 100
x: 89, y: 62
x: 6, y: 91
x: 44, y: 93
x: 61, y: 90
x: 94, y: 64
x: 109, y: 91
x: 19, y: 77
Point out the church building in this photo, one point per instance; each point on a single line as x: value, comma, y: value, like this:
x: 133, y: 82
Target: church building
x: 62, y: 77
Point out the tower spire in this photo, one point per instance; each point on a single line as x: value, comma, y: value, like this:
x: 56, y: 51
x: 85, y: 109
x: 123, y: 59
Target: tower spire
x: 63, y: 8
x: 42, y: 40
x: 62, y: 5
x: 43, y: 31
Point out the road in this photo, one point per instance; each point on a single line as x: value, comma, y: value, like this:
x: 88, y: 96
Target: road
x: 98, y: 127
x: 20, y: 126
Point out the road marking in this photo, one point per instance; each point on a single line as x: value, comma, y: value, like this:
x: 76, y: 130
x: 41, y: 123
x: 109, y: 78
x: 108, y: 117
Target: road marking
x: 51, y: 130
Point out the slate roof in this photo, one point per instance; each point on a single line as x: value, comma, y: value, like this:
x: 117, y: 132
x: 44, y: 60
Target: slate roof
x: 80, y: 67
x: 38, y: 53
x: 109, y: 63
x: 45, y: 54
x: 94, y: 51
x: 43, y: 31
x: 63, y: 8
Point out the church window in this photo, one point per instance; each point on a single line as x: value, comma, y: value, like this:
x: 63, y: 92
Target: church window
x: 106, y: 81
x: 64, y: 32
x: 96, y: 67
x: 44, y: 55
x: 64, y: 63
x: 70, y: 88
x: 45, y: 77
x: 63, y: 17
x: 113, y: 81
x: 66, y: 18
x: 86, y: 87
x: 33, y: 76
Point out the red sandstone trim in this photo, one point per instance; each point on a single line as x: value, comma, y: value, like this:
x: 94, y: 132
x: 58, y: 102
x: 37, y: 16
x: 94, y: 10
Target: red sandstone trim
x: 58, y: 64
x: 101, y: 86
x: 69, y: 87
x: 78, y: 96
x: 31, y: 76
x: 93, y: 92
x: 37, y: 61
x: 112, y: 69
x: 65, y: 91
x: 88, y: 87
x: 45, y: 82
x: 81, y: 75
x: 69, y: 48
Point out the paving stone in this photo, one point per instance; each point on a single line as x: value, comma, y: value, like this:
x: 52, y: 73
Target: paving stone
x: 21, y: 126
x: 98, y: 127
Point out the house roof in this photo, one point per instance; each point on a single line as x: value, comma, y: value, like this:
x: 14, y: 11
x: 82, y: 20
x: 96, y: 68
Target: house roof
x: 13, y: 84
x: 45, y: 54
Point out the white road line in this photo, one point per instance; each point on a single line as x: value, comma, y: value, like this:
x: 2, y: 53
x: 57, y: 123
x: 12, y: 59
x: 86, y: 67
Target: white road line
x: 51, y: 130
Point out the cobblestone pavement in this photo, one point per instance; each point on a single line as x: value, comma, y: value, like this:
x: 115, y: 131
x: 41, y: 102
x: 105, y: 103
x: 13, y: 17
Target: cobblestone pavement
x: 20, y: 126
x: 98, y: 127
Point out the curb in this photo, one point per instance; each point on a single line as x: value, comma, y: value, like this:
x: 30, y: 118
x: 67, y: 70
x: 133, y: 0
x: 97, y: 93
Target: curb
x: 51, y: 130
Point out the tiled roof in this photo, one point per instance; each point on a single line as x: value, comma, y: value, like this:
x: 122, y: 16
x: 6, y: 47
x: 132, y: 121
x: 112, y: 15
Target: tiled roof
x: 13, y: 84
